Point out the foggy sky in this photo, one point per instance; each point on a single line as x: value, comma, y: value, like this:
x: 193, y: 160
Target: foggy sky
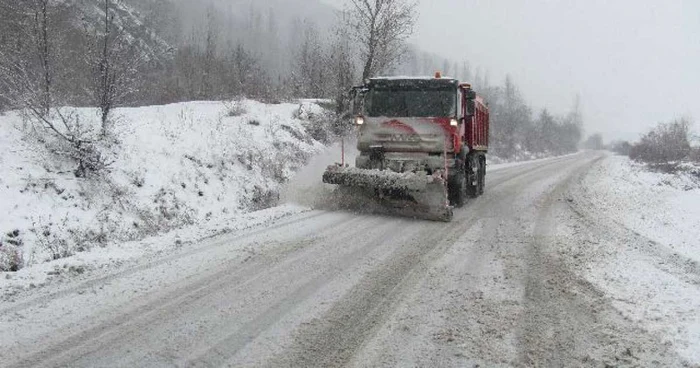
x: 633, y: 62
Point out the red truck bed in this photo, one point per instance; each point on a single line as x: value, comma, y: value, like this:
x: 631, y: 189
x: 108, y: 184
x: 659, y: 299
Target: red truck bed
x: 477, y: 127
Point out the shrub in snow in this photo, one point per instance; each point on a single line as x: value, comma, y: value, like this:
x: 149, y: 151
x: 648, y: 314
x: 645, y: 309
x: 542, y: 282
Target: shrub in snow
x: 695, y: 155
x: 664, y: 144
x: 11, y: 252
x: 234, y: 108
x: 107, y: 229
x: 71, y: 136
x: 10, y: 258
x: 137, y: 178
x: 263, y: 198
x: 12, y: 238
x: 90, y: 160
x: 53, y: 242
x: 321, y: 124
x: 169, y: 212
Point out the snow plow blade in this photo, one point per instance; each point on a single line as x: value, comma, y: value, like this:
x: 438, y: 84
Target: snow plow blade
x: 406, y: 194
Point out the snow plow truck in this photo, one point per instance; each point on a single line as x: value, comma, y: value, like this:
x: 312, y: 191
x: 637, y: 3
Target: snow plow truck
x: 422, y: 145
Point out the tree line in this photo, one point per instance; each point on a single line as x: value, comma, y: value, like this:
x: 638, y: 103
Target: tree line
x: 58, y: 53
x: 666, y: 146
x: 516, y: 128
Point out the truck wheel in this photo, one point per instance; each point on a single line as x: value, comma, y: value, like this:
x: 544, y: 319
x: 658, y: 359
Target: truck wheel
x: 457, y: 189
x: 472, y: 190
x: 482, y: 175
x: 472, y: 187
x: 447, y: 215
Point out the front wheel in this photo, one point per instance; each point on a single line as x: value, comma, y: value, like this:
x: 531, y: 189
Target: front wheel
x: 457, y: 189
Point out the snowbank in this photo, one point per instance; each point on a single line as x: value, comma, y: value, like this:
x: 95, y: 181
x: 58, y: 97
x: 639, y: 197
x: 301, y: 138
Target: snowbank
x: 647, y: 247
x: 663, y: 207
x: 174, y: 166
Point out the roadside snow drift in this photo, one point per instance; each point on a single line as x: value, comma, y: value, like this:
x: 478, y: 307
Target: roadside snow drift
x: 170, y: 166
x: 663, y: 207
x: 648, y: 246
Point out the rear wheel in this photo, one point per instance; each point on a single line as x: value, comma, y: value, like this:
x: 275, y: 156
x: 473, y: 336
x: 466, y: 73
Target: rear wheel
x: 472, y: 179
x: 482, y: 175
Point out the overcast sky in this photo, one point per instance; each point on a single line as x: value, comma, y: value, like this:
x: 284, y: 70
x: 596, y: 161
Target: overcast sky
x: 634, y: 62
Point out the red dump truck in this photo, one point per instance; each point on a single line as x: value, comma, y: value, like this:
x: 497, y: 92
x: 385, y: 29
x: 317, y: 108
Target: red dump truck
x: 422, y: 143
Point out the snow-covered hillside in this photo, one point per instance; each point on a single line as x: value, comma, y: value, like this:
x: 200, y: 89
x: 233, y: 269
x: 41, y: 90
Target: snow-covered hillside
x: 171, y: 166
x: 130, y: 23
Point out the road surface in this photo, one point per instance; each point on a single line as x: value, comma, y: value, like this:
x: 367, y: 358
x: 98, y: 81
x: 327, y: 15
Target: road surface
x: 500, y: 285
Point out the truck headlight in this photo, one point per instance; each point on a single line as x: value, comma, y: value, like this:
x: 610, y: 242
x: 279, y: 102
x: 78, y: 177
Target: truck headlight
x: 359, y: 120
x: 454, y: 122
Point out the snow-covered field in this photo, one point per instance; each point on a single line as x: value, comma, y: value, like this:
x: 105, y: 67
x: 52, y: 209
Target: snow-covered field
x: 647, y: 250
x: 195, y: 166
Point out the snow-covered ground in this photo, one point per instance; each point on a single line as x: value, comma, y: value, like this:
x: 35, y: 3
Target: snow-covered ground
x: 494, y: 164
x: 174, y: 151
x: 663, y: 207
x: 520, y: 155
x: 193, y: 166
x: 543, y: 270
x: 647, y: 248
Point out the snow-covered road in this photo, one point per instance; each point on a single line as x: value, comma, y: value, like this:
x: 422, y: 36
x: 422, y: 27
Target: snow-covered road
x: 504, y: 284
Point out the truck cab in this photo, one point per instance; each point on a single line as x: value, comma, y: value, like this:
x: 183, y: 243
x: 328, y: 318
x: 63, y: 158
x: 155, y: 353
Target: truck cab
x: 408, y: 124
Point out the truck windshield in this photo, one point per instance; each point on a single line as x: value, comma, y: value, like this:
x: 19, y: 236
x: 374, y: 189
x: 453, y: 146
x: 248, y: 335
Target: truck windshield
x: 411, y: 102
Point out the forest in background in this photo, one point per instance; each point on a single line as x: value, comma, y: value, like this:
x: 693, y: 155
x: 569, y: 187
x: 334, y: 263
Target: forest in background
x: 107, y: 53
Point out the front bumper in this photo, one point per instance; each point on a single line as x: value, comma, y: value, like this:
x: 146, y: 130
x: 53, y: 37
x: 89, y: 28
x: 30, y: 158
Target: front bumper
x: 402, y: 162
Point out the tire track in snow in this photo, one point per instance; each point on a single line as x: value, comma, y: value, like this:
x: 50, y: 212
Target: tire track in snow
x: 367, y: 304
x: 232, y: 344
x: 91, y: 284
x: 455, y: 305
x: 567, y: 320
x: 335, y: 338
x: 163, y: 305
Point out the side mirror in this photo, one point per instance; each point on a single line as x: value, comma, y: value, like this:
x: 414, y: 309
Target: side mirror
x: 471, y: 107
x: 356, y: 99
x: 469, y: 97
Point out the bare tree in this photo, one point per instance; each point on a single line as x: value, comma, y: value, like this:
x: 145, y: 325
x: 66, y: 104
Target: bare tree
x: 41, y: 32
x: 210, y: 54
x: 513, y: 118
x: 310, y: 64
x: 114, y: 63
x: 342, y: 69
x: 381, y: 28
x: 30, y: 73
x: 26, y: 59
x: 36, y: 79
